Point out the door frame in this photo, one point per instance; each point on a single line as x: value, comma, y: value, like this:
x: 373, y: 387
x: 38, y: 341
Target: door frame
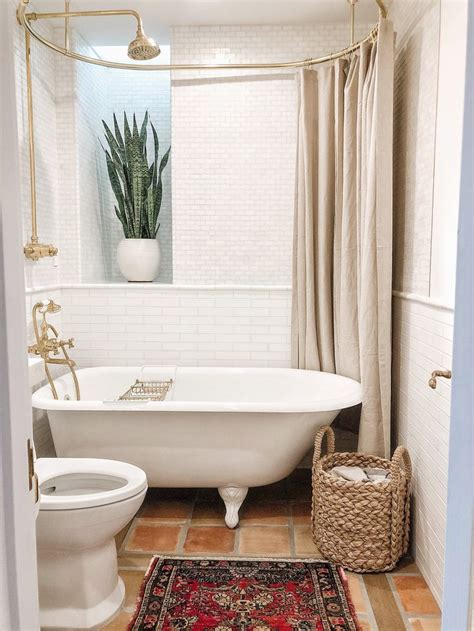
x: 458, y: 570
x: 18, y: 569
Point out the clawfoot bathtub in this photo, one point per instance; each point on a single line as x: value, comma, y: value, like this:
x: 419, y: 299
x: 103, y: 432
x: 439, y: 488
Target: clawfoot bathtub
x: 228, y: 428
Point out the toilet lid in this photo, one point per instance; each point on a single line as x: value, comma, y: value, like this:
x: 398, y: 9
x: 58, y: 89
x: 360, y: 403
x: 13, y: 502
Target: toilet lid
x: 72, y: 483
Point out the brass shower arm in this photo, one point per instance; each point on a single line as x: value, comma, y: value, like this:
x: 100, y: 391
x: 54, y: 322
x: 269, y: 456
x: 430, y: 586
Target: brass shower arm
x: 33, y: 16
x: 112, y: 12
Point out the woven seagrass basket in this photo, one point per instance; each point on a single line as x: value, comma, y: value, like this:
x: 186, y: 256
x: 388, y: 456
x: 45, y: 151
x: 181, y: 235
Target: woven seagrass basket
x: 360, y: 525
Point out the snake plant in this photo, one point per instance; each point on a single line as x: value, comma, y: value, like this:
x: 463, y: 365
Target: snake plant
x: 136, y: 184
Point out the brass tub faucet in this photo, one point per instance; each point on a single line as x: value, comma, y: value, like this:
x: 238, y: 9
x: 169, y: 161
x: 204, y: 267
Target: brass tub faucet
x: 47, y: 345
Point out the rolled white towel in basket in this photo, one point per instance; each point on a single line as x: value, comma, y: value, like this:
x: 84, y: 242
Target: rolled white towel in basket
x: 357, y: 474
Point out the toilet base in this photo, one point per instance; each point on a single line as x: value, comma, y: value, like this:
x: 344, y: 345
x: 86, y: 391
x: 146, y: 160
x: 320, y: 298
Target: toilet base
x: 79, y: 589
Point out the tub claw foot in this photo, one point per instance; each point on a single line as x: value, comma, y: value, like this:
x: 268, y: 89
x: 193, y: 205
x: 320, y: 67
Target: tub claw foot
x: 233, y: 497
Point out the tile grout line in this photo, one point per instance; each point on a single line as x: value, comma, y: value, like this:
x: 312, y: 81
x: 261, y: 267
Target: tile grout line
x: 383, y: 602
x: 237, y: 540
x: 405, y: 614
x: 368, y: 604
x: 185, y: 529
x: 123, y: 545
x: 396, y: 597
x: 291, y: 527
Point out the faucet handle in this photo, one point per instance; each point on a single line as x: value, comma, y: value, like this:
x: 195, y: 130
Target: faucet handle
x: 69, y: 343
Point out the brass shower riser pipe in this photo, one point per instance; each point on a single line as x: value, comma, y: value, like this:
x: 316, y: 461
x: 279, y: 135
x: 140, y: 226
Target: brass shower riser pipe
x: 66, y: 25
x: 33, y: 250
x: 31, y: 142
x: 352, y: 8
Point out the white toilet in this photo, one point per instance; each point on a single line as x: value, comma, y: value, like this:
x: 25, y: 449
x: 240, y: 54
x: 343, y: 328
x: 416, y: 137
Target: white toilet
x: 84, y: 503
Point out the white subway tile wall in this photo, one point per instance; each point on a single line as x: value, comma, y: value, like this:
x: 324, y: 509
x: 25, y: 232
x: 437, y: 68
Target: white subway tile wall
x: 80, y: 95
x: 416, y: 84
x: 234, y: 143
x: 127, y: 325
x: 95, y: 210
x: 422, y: 341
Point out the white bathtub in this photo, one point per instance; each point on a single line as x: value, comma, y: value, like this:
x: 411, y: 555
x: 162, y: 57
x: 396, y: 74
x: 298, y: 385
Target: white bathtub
x: 230, y: 428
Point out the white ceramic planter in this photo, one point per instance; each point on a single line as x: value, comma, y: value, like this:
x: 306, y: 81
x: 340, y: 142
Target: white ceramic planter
x: 139, y: 259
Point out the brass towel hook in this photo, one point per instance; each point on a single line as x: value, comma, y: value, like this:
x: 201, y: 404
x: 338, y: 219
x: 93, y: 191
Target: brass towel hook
x: 447, y: 374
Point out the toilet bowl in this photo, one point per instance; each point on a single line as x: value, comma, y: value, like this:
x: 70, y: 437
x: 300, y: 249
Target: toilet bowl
x: 84, y: 503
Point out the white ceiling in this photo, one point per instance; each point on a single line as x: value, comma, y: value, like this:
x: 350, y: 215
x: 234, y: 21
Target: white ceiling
x: 159, y: 15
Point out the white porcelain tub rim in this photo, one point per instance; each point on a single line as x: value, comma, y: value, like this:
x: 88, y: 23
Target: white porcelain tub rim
x: 348, y: 393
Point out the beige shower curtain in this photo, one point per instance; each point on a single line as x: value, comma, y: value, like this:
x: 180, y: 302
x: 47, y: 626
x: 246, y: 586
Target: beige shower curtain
x: 342, y: 250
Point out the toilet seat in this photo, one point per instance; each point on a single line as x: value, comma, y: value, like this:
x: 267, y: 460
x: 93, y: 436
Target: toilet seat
x: 75, y: 483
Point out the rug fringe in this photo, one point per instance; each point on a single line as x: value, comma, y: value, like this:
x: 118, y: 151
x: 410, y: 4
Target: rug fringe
x: 345, y: 584
x: 240, y: 558
x: 141, y: 592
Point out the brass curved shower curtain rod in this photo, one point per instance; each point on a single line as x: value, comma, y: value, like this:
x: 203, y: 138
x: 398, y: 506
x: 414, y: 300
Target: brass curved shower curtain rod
x: 26, y: 18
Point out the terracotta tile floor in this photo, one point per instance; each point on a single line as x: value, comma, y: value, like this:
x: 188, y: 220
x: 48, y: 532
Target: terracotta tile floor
x: 275, y: 521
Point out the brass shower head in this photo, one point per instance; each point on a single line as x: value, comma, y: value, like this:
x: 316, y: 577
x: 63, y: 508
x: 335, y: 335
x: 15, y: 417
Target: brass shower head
x: 143, y: 47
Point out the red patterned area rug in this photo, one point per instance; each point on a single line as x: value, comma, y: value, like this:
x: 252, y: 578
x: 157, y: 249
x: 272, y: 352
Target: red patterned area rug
x: 243, y: 594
